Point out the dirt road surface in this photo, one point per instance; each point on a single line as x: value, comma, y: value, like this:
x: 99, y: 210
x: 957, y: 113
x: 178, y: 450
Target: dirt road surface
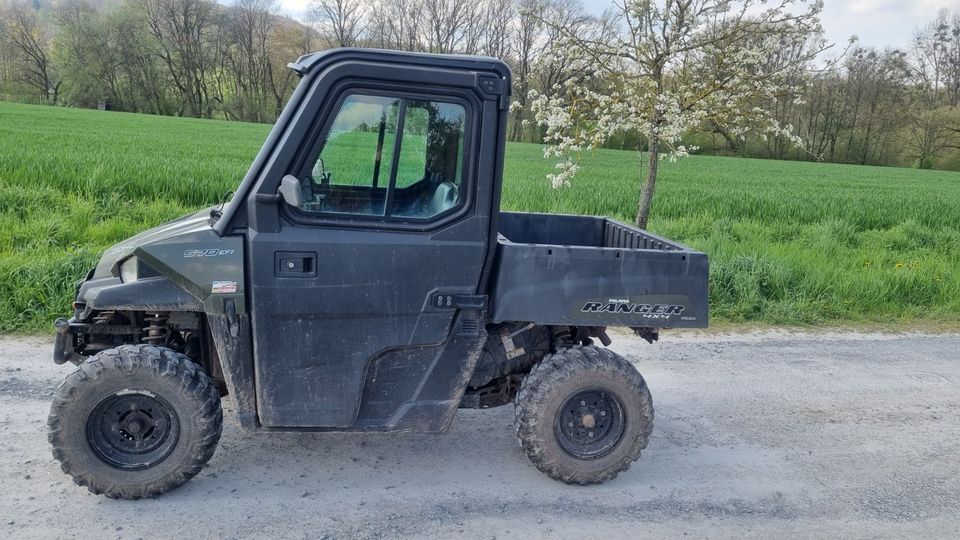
x: 759, y: 435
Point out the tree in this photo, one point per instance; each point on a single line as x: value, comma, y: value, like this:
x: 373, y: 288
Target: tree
x: 934, y: 127
x: 452, y: 25
x: 826, y: 103
x: 526, y: 38
x: 397, y: 24
x: 246, y: 57
x: 29, y: 34
x: 877, y: 80
x: 290, y: 40
x: 538, y: 61
x: 181, y: 30
x: 143, y: 80
x: 497, y: 16
x: 90, y: 64
x: 340, y: 22
x: 665, y: 68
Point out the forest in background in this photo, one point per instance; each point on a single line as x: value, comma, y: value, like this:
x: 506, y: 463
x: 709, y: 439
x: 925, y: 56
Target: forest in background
x: 198, y: 58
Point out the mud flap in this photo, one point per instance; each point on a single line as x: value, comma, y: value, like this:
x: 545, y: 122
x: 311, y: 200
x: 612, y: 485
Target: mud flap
x: 231, y: 337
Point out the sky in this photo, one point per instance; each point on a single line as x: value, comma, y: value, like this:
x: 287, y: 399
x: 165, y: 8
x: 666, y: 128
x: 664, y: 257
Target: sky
x: 877, y: 23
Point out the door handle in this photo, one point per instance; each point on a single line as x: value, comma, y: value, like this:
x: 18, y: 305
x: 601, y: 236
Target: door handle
x: 295, y: 264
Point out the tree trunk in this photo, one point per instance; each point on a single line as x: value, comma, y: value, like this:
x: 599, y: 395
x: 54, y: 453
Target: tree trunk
x: 646, y: 195
x: 732, y: 145
x: 516, y: 129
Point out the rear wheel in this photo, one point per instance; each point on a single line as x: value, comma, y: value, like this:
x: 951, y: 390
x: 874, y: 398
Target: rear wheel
x: 135, y: 421
x: 583, y: 415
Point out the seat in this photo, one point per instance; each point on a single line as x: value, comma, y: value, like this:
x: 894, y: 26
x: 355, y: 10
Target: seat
x: 444, y: 198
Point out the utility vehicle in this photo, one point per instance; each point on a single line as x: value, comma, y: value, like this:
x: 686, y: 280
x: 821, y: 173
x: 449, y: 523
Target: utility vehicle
x: 363, y: 278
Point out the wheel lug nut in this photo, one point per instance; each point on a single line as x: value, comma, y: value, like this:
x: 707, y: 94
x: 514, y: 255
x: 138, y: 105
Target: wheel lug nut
x: 603, y: 413
x: 590, y: 434
x: 583, y: 403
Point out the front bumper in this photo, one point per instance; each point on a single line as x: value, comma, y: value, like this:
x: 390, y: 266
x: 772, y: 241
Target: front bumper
x: 64, y: 344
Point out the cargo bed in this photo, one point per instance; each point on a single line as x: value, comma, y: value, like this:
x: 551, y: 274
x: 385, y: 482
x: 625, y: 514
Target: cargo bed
x: 593, y: 271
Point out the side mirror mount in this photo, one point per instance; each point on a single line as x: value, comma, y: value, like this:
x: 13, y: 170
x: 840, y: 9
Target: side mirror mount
x: 290, y: 191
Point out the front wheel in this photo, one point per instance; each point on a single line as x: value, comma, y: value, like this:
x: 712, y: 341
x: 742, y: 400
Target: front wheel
x: 135, y: 421
x: 583, y: 415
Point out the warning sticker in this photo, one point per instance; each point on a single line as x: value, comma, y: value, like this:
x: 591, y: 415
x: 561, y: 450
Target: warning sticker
x: 224, y: 287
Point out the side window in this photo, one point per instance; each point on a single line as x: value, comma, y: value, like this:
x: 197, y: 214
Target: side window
x: 348, y: 174
x: 388, y: 156
x: 412, y: 164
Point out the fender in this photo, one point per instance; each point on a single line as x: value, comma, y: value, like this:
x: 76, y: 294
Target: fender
x: 146, y: 294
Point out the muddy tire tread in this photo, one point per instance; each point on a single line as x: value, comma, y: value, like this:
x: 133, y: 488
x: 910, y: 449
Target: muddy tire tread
x: 192, y: 383
x: 531, y: 410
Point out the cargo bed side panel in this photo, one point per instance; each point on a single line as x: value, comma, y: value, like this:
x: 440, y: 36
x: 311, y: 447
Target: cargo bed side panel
x: 598, y: 286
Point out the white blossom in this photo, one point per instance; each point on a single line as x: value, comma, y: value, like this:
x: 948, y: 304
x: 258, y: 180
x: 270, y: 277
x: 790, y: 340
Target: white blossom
x: 664, y: 74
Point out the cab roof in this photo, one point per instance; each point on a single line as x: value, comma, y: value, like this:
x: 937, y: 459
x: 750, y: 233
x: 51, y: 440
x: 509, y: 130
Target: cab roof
x: 314, y: 61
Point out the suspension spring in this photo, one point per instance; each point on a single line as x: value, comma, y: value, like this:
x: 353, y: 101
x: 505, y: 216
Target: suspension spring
x: 156, y: 330
x: 103, y: 317
x: 562, y: 336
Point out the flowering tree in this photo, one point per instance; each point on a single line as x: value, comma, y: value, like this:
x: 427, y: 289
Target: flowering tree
x: 666, y: 67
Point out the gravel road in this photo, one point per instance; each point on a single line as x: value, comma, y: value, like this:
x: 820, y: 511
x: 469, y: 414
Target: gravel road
x: 760, y: 435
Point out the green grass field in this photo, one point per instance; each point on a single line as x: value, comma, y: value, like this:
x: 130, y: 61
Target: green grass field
x: 790, y: 243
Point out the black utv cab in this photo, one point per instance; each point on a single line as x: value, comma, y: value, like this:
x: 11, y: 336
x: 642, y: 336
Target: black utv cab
x: 363, y: 278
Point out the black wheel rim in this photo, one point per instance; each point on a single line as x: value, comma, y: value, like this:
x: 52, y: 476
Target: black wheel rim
x: 590, y: 423
x: 133, y: 430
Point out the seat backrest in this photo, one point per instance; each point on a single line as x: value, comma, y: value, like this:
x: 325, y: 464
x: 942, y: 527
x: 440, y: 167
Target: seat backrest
x: 443, y: 198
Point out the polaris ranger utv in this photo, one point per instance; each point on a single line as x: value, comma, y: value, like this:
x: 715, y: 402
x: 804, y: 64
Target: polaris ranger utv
x: 363, y: 278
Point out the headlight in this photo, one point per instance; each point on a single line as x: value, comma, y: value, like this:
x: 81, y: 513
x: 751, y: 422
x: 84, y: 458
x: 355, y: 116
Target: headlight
x: 128, y: 270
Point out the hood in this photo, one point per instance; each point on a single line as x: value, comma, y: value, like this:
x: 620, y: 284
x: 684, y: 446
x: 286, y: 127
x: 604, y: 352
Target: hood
x: 190, y: 223
x: 186, y: 261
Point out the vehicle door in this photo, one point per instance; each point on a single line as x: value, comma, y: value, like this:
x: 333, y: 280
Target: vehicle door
x: 392, y: 228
